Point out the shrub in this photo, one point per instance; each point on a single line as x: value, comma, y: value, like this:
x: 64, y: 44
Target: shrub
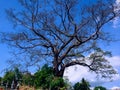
x: 57, y: 84
x: 100, y: 88
x: 84, y: 85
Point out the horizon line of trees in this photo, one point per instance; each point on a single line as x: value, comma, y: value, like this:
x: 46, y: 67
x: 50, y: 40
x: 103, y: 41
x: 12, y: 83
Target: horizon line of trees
x: 44, y: 79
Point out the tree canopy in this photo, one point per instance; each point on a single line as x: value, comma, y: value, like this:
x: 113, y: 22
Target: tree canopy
x: 100, y: 88
x: 83, y: 85
x: 61, y: 32
x: 42, y: 79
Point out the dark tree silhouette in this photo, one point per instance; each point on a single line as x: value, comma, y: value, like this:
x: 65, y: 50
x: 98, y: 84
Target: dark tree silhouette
x: 100, y: 88
x: 84, y: 85
x: 60, y: 31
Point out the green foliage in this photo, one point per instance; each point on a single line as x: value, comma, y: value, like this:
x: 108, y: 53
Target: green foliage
x: 100, y: 88
x: 0, y: 78
x: 43, y: 77
x: 9, y: 77
x: 84, y: 85
x: 68, y: 84
x: 18, y: 74
x: 76, y: 86
x: 100, y: 64
x: 27, y: 79
x: 57, y: 84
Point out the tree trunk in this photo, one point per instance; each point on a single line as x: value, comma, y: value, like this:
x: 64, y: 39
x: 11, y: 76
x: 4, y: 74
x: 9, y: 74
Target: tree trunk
x: 59, y: 73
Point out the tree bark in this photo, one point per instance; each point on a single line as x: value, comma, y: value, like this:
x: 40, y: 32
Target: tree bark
x: 59, y: 73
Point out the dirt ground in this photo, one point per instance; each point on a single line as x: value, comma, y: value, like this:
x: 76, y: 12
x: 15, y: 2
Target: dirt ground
x: 26, y: 88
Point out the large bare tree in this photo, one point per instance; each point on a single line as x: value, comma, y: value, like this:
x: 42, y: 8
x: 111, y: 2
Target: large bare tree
x: 62, y: 32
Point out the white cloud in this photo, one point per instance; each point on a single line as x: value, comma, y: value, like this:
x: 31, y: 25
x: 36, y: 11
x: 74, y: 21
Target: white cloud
x: 115, y: 88
x: 76, y: 73
x: 114, y: 61
x: 116, y: 21
x: 117, y: 1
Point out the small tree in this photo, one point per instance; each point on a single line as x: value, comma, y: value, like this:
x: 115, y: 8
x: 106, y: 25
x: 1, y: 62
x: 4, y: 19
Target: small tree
x: 0, y: 79
x: 58, y: 84
x: 18, y: 74
x: 8, y: 78
x: 27, y: 79
x: 100, y: 88
x: 43, y: 77
x: 76, y: 86
x: 12, y: 75
x: 84, y: 85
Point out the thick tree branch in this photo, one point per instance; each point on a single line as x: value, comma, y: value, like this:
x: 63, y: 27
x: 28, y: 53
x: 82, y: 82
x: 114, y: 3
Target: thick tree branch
x: 72, y: 63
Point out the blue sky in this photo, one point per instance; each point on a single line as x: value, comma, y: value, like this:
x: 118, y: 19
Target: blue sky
x: 114, y: 47
x: 5, y: 26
